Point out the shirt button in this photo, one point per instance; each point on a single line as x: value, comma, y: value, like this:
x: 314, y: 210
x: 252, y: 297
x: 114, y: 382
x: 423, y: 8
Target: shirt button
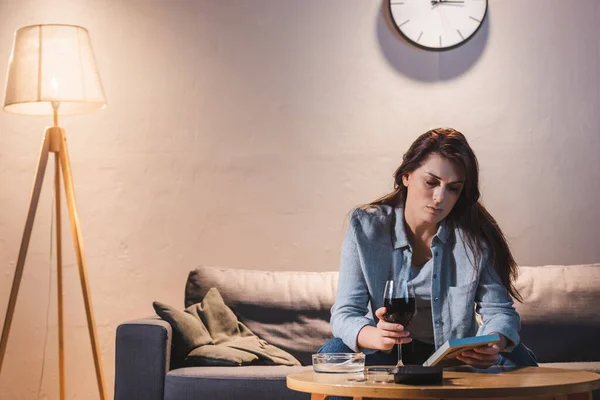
x: 435, y: 253
x: 434, y: 276
x: 436, y: 299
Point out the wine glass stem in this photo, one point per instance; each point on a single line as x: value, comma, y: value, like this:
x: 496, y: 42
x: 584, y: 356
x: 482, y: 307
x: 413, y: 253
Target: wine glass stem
x: 400, y: 363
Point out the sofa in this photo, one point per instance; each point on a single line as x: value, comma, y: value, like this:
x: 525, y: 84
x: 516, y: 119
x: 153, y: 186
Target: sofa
x: 560, y: 322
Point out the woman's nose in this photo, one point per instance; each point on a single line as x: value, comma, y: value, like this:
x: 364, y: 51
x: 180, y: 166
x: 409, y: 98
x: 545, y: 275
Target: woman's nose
x: 438, y: 196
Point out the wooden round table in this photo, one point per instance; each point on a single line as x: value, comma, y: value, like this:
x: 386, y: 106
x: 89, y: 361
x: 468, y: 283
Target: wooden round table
x: 463, y: 382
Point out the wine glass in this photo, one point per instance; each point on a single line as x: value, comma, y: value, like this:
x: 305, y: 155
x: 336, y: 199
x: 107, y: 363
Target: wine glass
x: 401, y: 306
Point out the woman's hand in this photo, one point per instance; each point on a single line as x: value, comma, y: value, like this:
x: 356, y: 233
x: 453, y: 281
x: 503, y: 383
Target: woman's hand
x: 384, y: 336
x: 484, y: 356
x: 480, y: 357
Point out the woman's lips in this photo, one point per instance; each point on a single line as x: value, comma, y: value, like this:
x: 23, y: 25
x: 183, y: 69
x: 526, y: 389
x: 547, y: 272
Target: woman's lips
x: 434, y: 210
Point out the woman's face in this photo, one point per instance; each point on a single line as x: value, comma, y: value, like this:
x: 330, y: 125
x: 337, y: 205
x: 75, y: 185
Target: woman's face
x: 433, y: 189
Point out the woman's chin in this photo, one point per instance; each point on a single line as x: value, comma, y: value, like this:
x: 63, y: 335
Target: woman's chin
x: 433, y: 218
x: 430, y: 219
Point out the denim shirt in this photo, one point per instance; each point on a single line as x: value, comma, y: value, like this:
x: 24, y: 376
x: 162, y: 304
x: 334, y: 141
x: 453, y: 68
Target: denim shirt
x: 376, y: 248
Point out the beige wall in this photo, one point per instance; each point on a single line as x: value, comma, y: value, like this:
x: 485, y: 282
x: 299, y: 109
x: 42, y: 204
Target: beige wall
x: 240, y: 133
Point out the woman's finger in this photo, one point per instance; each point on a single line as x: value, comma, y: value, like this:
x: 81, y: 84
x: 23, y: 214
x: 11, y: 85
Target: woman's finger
x: 395, y: 334
x: 379, y: 312
x: 388, y: 342
x: 477, y: 356
x: 487, y: 349
x: 475, y: 363
x: 397, y: 339
x: 404, y: 340
x: 387, y: 326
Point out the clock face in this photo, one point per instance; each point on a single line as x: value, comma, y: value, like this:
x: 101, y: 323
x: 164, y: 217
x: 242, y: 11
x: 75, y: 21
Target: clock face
x: 438, y: 24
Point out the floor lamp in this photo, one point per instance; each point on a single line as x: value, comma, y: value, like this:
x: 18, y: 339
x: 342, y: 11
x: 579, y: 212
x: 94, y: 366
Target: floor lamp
x: 52, y: 70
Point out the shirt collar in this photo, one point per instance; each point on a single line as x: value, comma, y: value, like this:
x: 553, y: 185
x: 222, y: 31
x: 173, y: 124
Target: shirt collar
x: 400, y: 239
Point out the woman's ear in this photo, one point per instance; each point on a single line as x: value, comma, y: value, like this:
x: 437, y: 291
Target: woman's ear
x: 405, y: 179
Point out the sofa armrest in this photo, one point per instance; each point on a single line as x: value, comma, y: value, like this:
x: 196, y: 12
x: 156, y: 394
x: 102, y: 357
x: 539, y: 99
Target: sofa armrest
x: 143, y: 352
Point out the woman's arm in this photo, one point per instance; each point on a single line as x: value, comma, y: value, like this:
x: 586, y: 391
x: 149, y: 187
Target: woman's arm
x: 348, y: 314
x: 495, y: 305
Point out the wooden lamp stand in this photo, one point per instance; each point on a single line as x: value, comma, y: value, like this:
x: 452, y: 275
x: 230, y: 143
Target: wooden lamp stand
x: 54, y: 140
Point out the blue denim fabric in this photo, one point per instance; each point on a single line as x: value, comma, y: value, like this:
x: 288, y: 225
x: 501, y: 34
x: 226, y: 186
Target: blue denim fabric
x: 521, y: 356
x: 376, y: 248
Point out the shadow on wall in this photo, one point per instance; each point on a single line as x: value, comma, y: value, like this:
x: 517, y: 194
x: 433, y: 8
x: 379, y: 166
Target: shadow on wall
x: 424, y: 65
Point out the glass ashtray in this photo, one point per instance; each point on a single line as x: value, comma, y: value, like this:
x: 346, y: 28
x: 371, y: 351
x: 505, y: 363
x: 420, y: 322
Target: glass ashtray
x: 338, y: 363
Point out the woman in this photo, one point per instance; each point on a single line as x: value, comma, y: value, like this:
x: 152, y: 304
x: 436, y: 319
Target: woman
x: 433, y: 229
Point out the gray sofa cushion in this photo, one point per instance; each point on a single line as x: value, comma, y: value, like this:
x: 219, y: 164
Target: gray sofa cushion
x: 289, y: 310
x: 560, y: 318
x: 251, y: 382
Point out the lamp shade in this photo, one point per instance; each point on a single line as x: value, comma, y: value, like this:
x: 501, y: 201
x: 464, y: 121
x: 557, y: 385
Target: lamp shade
x: 53, y: 63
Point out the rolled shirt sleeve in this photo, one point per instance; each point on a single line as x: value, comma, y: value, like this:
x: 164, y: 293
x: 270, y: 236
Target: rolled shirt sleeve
x: 348, y: 314
x: 495, y: 305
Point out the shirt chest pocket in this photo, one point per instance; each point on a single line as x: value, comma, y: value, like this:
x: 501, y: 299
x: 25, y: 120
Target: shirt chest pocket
x: 461, y: 302
x: 463, y: 290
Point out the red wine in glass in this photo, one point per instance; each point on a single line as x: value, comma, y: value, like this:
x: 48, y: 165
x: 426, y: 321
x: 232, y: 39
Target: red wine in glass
x: 400, y: 310
x: 401, y: 306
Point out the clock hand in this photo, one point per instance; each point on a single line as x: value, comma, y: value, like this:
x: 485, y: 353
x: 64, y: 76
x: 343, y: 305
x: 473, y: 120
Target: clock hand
x: 435, y: 2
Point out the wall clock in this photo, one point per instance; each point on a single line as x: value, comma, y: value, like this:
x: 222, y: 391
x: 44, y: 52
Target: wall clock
x: 438, y: 24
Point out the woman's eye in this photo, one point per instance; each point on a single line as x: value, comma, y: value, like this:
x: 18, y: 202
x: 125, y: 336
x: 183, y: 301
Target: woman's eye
x: 431, y: 183
x: 454, y: 189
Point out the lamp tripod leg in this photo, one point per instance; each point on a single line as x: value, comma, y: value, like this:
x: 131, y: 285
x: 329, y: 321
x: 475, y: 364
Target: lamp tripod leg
x: 59, y: 279
x: 77, y: 240
x: 33, y: 204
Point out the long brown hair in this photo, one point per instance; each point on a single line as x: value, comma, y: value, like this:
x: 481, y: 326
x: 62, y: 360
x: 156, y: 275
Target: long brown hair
x: 479, y: 227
